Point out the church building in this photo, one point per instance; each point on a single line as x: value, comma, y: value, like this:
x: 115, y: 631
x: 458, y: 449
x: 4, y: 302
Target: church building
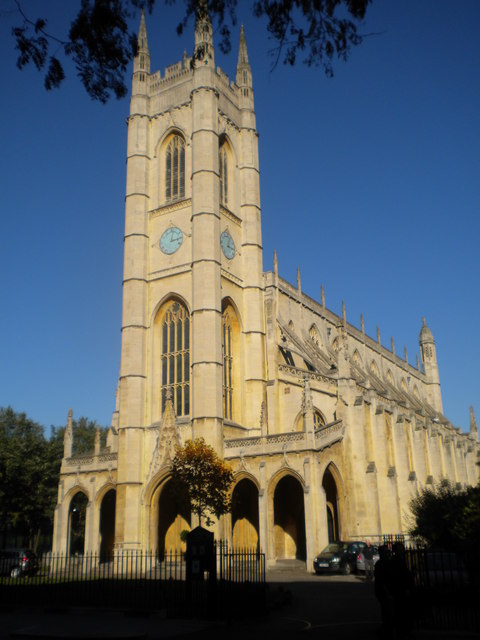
x: 329, y: 433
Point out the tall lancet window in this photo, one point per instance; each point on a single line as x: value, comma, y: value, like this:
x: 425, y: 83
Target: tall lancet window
x: 176, y: 357
x: 227, y: 347
x: 223, y: 167
x: 175, y: 169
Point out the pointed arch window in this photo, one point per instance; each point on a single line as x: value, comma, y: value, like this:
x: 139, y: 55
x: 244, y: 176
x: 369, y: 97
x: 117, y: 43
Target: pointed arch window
x: 223, y: 169
x: 175, y: 358
x: 356, y: 358
x: 175, y: 169
x: 227, y: 348
x: 318, y: 420
x: 314, y: 335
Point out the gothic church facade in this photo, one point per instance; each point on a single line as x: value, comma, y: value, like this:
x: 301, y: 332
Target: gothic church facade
x: 328, y: 432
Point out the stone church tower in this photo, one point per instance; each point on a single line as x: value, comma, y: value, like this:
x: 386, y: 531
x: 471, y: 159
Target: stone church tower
x: 328, y: 432
x: 193, y: 258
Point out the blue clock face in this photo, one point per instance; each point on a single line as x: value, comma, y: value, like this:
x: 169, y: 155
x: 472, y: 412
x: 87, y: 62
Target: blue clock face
x: 171, y: 240
x: 227, y: 244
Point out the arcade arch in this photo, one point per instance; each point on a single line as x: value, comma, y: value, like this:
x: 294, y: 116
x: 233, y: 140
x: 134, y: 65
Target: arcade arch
x: 331, y: 498
x: 289, y: 519
x: 170, y: 515
x: 245, y: 516
x: 77, y: 515
x: 107, y: 525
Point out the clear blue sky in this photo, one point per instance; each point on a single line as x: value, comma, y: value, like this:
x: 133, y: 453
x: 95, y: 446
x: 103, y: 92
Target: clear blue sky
x: 369, y: 183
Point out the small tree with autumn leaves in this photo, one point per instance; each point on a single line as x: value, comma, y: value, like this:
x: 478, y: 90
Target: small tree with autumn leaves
x: 203, y: 478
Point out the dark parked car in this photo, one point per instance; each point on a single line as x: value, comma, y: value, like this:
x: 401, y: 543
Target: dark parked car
x: 338, y: 557
x: 17, y: 562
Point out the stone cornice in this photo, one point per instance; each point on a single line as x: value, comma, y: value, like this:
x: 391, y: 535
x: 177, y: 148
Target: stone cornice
x: 288, y: 442
x: 171, y: 207
x: 230, y: 215
x: 301, y: 374
x: 231, y: 277
x: 169, y: 271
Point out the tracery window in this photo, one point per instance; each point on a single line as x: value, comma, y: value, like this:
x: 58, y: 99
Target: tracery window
x: 227, y: 348
x: 287, y: 356
x: 175, y: 169
x: 175, y: 358
x: 318, y: 419
x: 314, y: 335
x: 223, y: 168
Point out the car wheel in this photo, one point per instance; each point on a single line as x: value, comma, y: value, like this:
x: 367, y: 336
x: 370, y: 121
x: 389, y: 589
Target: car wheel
x: 347, y: 569
x: 16, y: 572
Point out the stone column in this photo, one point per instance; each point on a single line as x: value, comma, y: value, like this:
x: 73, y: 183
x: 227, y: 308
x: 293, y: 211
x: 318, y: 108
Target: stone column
x: 207, y: 361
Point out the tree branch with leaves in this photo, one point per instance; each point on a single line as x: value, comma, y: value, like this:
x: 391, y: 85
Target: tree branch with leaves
x: 101, y: 44
x: 203, y: 478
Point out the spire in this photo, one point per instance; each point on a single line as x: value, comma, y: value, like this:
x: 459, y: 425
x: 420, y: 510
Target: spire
x: 307, y: 405
x: 68, y: 436
x: 203, y: 35
x: 242, y: 50
x: 362, y: 323
x: 322, y: 295
x: 473, y: 424
x: 392, y: 343
x: 97, y: 443
x: 299, y: 280
x: 244, y: 71
x: 141, y: 62
x: 344, y: 313
x: 428, y: 354
x: 275, y: 262
x: 378, y: 335
x: 425, y: 334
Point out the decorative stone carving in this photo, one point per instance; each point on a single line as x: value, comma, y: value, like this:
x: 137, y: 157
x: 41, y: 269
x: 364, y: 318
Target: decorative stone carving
x: 167, y: 440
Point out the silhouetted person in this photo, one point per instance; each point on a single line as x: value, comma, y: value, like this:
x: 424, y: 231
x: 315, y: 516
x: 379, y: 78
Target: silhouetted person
x: 369, y: 564
x: 402, y: 587
x: 383, y: 590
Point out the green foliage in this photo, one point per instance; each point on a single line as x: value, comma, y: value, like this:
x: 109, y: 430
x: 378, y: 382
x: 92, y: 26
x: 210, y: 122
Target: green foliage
x: 29, y: 467
x: 447, y: 518
x: 83, y: 436
x: 101, y: 46
x: 205, y: 479
x: 29, y: 470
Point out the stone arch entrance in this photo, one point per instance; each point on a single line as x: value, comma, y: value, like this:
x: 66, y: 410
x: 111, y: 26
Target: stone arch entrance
x: 77, y: 514
x: 331, y: 497
x: 245, y: 520
x: 174, y: 516
x: 107, y: 525
x: 289, y: 519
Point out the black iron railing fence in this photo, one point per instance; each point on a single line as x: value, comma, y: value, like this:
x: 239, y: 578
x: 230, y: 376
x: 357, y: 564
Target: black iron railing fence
x: 240, y: 565
x: 447, y: 588
x: 446, y: 585
x: 137, y: 580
